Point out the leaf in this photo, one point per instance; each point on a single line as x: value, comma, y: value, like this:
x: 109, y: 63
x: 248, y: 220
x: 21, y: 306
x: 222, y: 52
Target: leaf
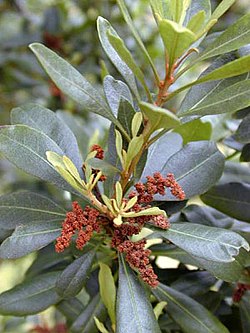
x: 231, y: 99
x: 19, y: 146
x: 116, y: 90
x: 195, y: 7
x: 30, y: 297
x: 103, y: 27
x: 126, y: 56
x: 244, y: 307
x: 222, y: 8
x: 235, y: 172
x: 196, y: 167
x: 227, y: 271
x: 235, y: 36
x: 28, y: 238
x: 26, y: 208
x: 195, y: 130
x: 46, y: 121
x: 160, y: 151
x: 209, y: 243
x: 70, y: 308
x: 197, y: 22
x: 125, y: 115
x: 107, y: 290
x: 72, y: 279
x: 100, y: 326
x: 245, y: 154
x: 189, y: 314
x: 133, y: 310
x: 243, y: 132
x: 85, y: 322
x: 106, y: 168
x: 158, y: 309
x: 177, y: 39
x: 159, y: 117
x: 71, y: 82
x: 232, y: 199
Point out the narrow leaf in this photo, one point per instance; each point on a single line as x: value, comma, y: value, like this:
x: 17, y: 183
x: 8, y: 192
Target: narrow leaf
x: 72, y: 279
x: 197, y: 22
x: 243, y: 132
x: 134, y: 311
x: 189, y: 314
x: 222, y: 8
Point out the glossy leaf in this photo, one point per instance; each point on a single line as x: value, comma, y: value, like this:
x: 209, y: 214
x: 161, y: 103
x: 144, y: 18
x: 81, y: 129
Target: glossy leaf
x: 46, y: 121
x: 160, y: 151
x: 205, y: 242
x: 232, y: 199
x: 231, y: 99
x: 176, y: 39
x: 159, y: 117
x: 189, y: 314
x: 72, y: 279
x: 28, y: 238
x: 19, y: 146
x: 85, y: 321
x: 195, y: 130
x: 243, y: 132
x: 103, y: 27
x: 107, y: 290
x: 30, y: 297
x: 134, y: 311
x: 71, y: 82
x: 26, y: 208
x: 196, y: 167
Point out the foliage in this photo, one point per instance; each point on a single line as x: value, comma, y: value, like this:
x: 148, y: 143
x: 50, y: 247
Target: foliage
x: 170, y: 179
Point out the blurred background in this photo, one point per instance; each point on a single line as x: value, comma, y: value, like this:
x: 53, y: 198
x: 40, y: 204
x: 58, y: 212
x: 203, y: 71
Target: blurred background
x: 69, y: 28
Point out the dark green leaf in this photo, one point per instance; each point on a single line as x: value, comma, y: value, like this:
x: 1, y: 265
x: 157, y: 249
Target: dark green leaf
x: 196, y: 167
x: 103, y: 27
x: 70, y: 308
x: 205, y: 242
x: 125, y: 115
x: 232, y: 199
x: 195, y: 130
x: 235, y: 172
x: 72, y: 279
x: 29, y: 238
x: 133, y: 310
x: 245, y: 154
x: 244, y: 306
x: 27, y: 208
x: 85, y: 322
x: 46, y: 121
x: 19, y: 146
x: 31, y: 296
x: 71, y: 82
x: 160, y: 151
x: 190, y: 315
x: 243, y: 132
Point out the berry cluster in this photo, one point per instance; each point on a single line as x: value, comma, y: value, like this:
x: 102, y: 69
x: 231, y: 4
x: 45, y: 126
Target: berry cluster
x: 240, y: 291
x: 100, y: 156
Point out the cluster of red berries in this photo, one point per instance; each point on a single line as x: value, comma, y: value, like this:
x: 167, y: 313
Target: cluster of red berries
x: 84, y: 222
x: 240, y: 291
x: 59, y: 328
x: 100, y: 156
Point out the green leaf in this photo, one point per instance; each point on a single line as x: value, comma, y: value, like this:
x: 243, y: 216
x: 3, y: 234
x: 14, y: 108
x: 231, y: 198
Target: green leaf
x: 85, y: 322
x: 196, y: 167
x: 237, y: 35
x: 232, y: 199
x: 28, y: 238
x: 209, y: 243
x: 30, y: 297
x: 134, y: 148
x: 245, y: 154
x: 195, y: 7
x: 243, y: 132
x: 19, y: 146
x: 244, y: 307
x: 159, y: 117
x: 137, y: 37
x: 107, y: 290
x: 195, y: 130
x: 231, y: 99
x: 126, y: 56
x: 197, y: 22
x: 125, y: 115
x: 115, y: 91
x: 177, y: 39
x: 104, y: 27
x: 166, y: 146
x: 72, y: 279
x: 71, y: 309
x: 46, y: 121
x: 71, y: 82
x: 106, y: 168
x: 189, y: 314
x: 26, y: 208
x: 222, y: 8
x: 134, y: 311
x: 100, y: 326
x: 158, y: 309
